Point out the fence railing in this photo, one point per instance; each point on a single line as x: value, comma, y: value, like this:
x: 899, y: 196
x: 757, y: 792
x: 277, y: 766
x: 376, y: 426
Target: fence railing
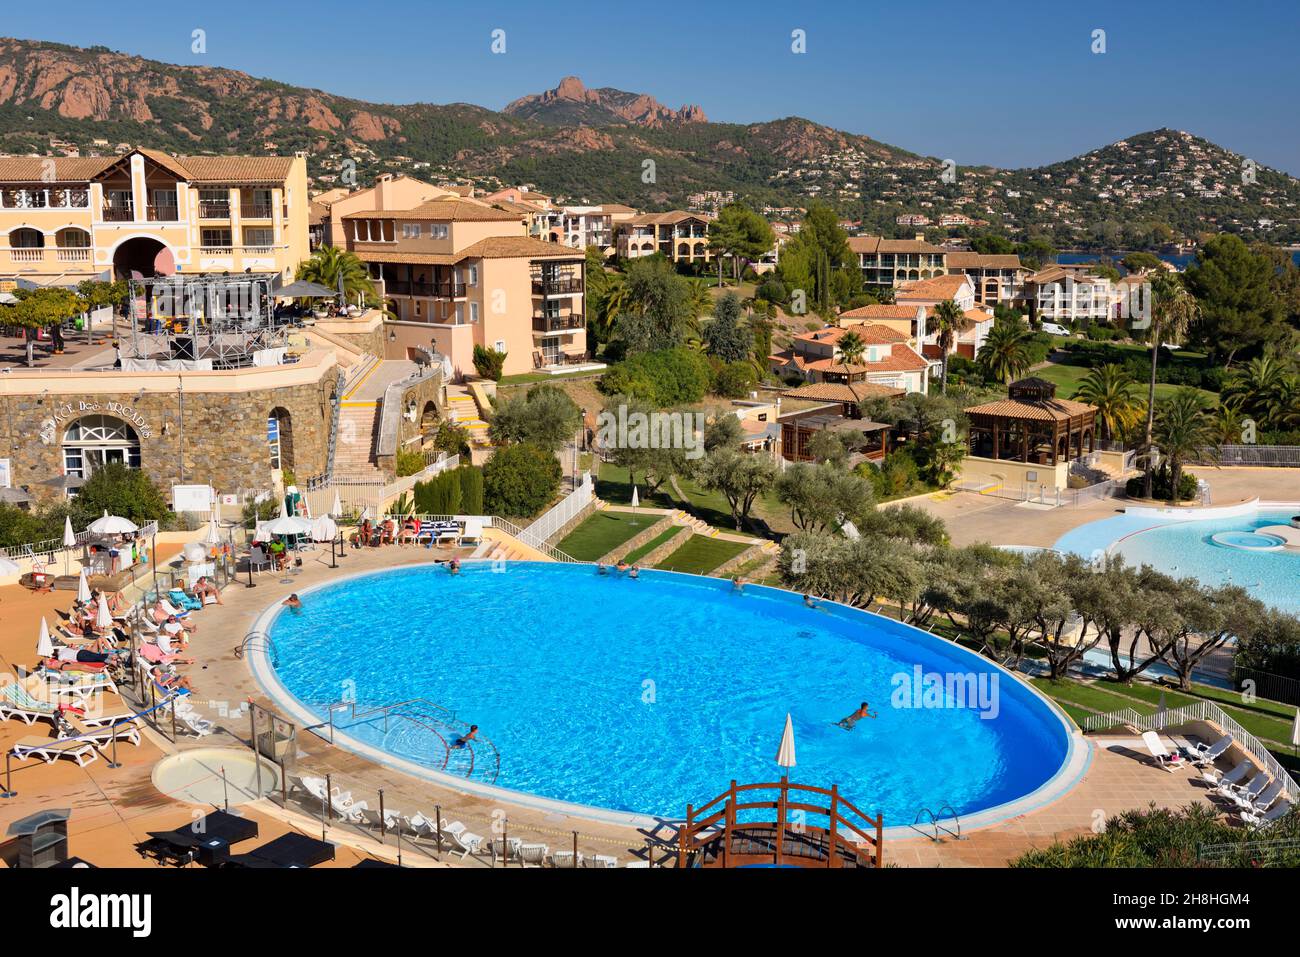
x: 1063, y: 498
x: 548, y: 525
x: 1284, y: 456
x: 358, y: 494
x: 1266, y: 685
x: 1199, y: 711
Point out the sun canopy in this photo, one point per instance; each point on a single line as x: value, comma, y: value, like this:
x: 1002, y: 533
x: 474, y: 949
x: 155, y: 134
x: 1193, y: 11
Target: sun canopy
x: 302, y: 289
x: 113, y: 525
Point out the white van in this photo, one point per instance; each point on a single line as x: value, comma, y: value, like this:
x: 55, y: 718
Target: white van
x: 1053, y: 329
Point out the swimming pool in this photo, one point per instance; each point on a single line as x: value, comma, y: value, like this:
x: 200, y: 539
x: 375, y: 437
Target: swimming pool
x: 1215, y: 551
x: 644, y: 695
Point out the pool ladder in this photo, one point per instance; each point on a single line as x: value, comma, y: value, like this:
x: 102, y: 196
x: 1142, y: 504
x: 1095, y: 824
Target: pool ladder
x: 266, y: 645
x: 934, y: 823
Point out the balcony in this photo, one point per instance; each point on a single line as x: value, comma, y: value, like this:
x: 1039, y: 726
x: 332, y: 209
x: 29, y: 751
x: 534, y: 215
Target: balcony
x: 565, y: 322
x: 27, y: 255
x: 431, y: 290
x: 217, y: 250
x: 165, y: 213
x: 257, y: 211
x: 557, y: 285
x: 79, y: 254
x: 119, y: 214
x: 214, y: 210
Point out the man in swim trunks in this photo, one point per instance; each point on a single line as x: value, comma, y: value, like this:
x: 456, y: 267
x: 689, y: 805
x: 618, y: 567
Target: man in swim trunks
x: 293, y: 601
x: 809, y: 602
x: 849, y: 721
x: 466, y: 738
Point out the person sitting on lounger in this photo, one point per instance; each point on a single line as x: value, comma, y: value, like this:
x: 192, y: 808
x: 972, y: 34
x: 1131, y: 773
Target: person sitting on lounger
x: 170, y: 681
x: 293, y: 601
x: 204, y: 587
x: 466, y: 738
x: 152, y: 653
x: 848, y: 721
x: 410, y: 530
x: 387, y: 532
x: 174, y: 630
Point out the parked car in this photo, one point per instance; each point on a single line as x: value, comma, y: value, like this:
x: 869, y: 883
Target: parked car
x: 1055, y: 329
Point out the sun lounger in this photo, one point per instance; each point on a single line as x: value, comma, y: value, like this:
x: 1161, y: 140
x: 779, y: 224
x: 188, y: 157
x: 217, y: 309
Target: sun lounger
x: 1263, y: 821
x: 565, y: 859
x: 1225, y: 784
x: 391, y: 820
x: 640, y: 865
x: 505, y: 850
x: 207, y: 840
x: 1243, y: 795
x: 473, y: 533
x: 533, y: 855
x: 462, y: 841
x: 1206, y: 754
x: 288, y: 850
x: 418, y: 825
x: 50, y: 750
x: 1262, y: 801
x: 183, y: 601
x: 102, y: 736
x: 78, y: 685
x: 602, y: 861
x: 1163, y: 757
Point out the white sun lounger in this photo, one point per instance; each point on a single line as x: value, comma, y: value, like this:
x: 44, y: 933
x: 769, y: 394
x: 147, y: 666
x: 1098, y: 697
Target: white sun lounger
x: 473, y: 532
x: 565, y: 859
x: 1162, y: 755
x: 533, y: 855
x: 392, y: 819
x: 1243, y: 795
x: 462, y: 841
x: 602, y: 861
x: 50, y: 750
x: 1203, y: 754
x: 1261, y: 802
x: 102, y: 737
x: 421, y: 826
x: 17, y: 702
x: 1263, y: 821
x: 1226, y: 782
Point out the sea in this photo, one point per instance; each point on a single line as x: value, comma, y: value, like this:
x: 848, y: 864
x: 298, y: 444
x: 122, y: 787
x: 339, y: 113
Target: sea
x: 1179, y: 260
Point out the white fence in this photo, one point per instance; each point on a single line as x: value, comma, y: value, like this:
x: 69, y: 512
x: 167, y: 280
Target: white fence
x: 357, y: 494
x: 1199, y: 711
x: 1286, y: 456
x: 549, y: 524
x: 51, y: 551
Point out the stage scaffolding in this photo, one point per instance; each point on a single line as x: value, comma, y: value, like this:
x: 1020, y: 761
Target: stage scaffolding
x: 225, y: 319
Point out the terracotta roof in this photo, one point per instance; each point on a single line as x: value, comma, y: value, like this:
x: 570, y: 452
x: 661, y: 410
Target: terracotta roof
x: 460, y: 189
x: 664, y: 219
x: 414, y: 259
x: 512, y: 247
x: 449, y: 210
x: 195, y: 169
x: 882, y: 312
x: 616, y: 208
x: 237, y: 169
x: 31, y: 169
x: 984, y: 261
x: 878, y: 244
x: 842, y: 391
x: 1048, y: 410
x: 936, y: 287
x: 901, y: 358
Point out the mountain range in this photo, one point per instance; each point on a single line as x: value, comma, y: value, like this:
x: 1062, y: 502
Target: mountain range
x: 608, y: 145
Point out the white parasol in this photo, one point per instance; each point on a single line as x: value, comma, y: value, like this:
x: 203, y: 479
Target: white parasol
x: 785, y: 754
x: 323, y: 529
x: 44, y: 646
x: 83, y: 588
x: 113, y: 525
x: 103, y: 617
x: 69, y: 540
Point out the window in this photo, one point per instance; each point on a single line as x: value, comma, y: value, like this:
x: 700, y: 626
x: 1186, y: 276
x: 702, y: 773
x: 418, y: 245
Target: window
x: 500, y: 345
x: 410, y: 230
x: 437, y: 231
x: 216, y: 239
x: 472, y: 275
x: 273, y: 440
x: 26, y: 239
x: 259, y: 236
x: 94, y: 441
x: 473, y: 312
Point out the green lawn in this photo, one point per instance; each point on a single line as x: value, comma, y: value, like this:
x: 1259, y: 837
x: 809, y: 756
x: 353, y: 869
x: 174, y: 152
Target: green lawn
x: 614, y: 486
x: 641, y: 551
x: 1090, y: 697
x: 604, y: 531
x: 1068, y: 377
x: 701, y: 554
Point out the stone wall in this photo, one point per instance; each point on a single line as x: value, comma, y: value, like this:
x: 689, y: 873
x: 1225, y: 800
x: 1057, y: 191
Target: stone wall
x: 189, y: 438
x: 423, y: 394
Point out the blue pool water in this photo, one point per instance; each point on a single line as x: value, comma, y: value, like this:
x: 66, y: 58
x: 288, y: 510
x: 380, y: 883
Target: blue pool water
x: 645, y: 695
x: 1189, y: 549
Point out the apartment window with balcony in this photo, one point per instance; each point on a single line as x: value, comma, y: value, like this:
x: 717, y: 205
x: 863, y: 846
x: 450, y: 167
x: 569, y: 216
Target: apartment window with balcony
x: 119, y: 205
x: 163, y: 206
x: 214, y: 204
x: 216, y: 240
x: 260, y: 237
x: 261, y: 205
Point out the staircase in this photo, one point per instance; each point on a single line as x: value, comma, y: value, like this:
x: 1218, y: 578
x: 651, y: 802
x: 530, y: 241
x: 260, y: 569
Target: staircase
x: 463, y: 411
x: 354, y: 456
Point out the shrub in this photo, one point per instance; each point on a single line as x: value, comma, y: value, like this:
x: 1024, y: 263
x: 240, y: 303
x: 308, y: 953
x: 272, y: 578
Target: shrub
x: 488, y: 362
x: 409, y: 462
x: 122, y: 491
x: 520, y: 480
x: 451, y: 438
x: 1098, y: 332
x: 471, y: 489
x: 735, y: 379
x: 773, y: 290
x: 1160, y: 487
x: 439, y: 496
x: 677, y: 376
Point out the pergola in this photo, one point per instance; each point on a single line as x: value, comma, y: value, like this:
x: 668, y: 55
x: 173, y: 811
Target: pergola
x: 1032, y: 425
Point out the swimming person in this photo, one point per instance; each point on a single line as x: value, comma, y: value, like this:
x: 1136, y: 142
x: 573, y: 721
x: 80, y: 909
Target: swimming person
x: 622, y: 566
x: 809, y: 602
x: 738, y: 584
x: 849, y: 721
x: 466, y: 738
x: 633, y: 572
x: 601, y: 569
x: 453, y: 565
x: 293, y: 601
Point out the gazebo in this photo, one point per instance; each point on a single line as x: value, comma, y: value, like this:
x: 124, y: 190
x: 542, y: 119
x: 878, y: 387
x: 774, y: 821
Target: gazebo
x: 1032, y: 425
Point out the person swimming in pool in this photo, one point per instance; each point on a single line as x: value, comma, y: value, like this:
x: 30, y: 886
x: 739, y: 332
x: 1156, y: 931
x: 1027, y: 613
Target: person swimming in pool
x: 809, y: 602
x: 848, y: 721
x: 466, y: 738
x: 621, y: 566
x: 601, y: 569
x: 633, y: 572
x: 453, y: 565
x: 293, y: 601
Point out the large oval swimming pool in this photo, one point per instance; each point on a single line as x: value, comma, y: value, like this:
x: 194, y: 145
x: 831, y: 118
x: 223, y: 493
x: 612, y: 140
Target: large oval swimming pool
x: 643, y: 695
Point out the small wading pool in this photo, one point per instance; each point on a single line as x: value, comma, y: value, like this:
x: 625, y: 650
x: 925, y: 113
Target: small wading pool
x: 644, y: 695
x: 214, y: 776
x: 1249, y: 541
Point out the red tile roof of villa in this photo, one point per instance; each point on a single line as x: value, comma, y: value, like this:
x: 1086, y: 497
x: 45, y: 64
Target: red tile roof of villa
x: 842, y: 391
x: 878, y: 244
x: 880, y: 311
x: 936, y: 287
x: 1046, y: 410
x: 450, y: 210
x: 984, y: 261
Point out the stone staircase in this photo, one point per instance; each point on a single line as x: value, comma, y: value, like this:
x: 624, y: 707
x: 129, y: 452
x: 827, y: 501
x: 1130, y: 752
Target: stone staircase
x: 464, y: 411
x: 354, y: 458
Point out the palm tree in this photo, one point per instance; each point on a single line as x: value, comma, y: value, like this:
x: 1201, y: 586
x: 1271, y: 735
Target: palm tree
x: 1266, y: 390
x: 613, y: 302
x: 1005, y: 353
x: 1113, y: 390
x: 949, y: 323
x: 1173, y: 311
x: 1186, y: 431
x: 851, y: 347
x: 330, y: 264
x: 700, y: 301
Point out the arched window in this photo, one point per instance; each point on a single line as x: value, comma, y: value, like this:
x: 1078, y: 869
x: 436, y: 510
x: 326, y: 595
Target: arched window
x: 93, y: 441
x: 279, y: 438
x: 684, y: 250
x: 27, y: 238
x: 72, y: 238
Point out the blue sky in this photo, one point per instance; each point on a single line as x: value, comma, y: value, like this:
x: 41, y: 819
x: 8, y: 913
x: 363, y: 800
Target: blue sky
x: 983, y: 81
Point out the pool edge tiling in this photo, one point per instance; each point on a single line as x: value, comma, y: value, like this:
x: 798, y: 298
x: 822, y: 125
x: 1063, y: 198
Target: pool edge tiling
x: 1074, y: 751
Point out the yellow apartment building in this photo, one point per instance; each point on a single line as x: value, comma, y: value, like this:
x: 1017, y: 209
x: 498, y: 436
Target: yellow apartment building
x: 459, y: 272
x: 681, y: 237
x: 65, y: 219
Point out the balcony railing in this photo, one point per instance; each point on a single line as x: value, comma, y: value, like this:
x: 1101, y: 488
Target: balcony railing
x: 119, y: 214
x: 256, y: 210
x: 557, y: 286
x: 432, y: 290
x: 258, y: 250
x: 217, y: 250
x: 27, y: 255
x: 79, y: 254
x: 560, y: 323
x: 211, y: 210
x: 164, y: 213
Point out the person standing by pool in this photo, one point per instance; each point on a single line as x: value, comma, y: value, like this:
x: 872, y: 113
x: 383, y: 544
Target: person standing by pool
x: 848, y: 721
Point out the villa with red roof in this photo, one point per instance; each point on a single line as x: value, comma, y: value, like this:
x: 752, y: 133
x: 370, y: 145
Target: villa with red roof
x: 888, y: 364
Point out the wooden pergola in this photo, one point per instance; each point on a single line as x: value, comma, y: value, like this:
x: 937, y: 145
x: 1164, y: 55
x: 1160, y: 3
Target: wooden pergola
x: 1032, y: 425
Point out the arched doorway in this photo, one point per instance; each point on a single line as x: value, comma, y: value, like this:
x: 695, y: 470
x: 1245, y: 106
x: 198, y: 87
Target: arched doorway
x: 93, y: 441
x: 143, y: 255
x: 279, y: 438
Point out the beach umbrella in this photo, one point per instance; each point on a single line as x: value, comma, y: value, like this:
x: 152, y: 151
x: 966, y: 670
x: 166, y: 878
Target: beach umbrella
x: 44, y: 646
x: 304, y: 289
x: 113, y: 525
x: 287, y: 525
x: 636, y: 499
x: 214, y: 533
x: 323, y: 529
x: 785, y: 754
x: 365, y: 514
x: 103, y: 617
x: 69, y: 540
x: 337, y: 509
x: 83, y: 588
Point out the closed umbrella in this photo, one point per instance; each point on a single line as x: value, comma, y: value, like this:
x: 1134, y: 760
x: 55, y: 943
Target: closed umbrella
x: 1295, y: 730
x: 44, y: 646
x: 785, y: 754
x: 113, y: 525
x: 337, y: 509
x: 323, y: 529
x: 214, y: 533
x: 69, y: 540
x: 103, y: 617
x: 83, y: 588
